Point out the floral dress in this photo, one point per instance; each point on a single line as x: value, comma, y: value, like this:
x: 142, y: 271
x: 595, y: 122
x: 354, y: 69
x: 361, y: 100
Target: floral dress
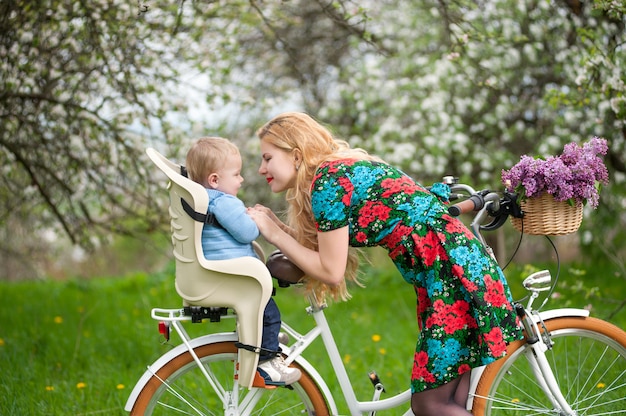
x: 463, y: 300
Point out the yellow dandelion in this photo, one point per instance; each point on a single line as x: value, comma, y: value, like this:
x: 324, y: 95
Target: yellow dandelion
x: 347, y: 358
x: 375, y: 337
x: 49, y: 388
x: 81, y: 309
x: 600, y: 385
x: 81, y: 385
x: 515, y: 401
x: 58, y: 320
x: 1, y: 342
x: 120, y: 387
x: 382, y: 351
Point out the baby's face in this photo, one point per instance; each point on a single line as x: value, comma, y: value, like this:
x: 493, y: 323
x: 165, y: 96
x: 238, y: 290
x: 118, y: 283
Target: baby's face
x: 229, y: 177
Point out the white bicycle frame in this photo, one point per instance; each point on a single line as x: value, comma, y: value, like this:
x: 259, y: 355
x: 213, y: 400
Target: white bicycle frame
x: 536, y: 355
x: 303, y: 341
x: 356, y: 407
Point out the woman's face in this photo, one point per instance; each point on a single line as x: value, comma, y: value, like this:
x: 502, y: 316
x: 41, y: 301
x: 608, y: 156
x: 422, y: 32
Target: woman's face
x: 278, y: 166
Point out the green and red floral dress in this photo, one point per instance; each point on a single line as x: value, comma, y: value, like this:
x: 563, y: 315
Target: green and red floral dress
x: 463, y: 300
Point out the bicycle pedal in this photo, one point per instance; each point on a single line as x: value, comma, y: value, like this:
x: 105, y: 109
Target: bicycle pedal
x: 259, y: 382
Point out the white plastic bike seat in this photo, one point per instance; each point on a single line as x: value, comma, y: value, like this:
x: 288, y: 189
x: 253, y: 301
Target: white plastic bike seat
x: 243, y: 284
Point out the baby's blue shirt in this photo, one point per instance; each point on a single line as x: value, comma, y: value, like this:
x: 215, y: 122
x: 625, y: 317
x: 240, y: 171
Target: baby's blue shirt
x: 238, y: 232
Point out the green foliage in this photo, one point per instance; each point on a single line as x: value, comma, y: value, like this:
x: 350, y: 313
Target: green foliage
x: 78, y: 346
x: 602, y: 290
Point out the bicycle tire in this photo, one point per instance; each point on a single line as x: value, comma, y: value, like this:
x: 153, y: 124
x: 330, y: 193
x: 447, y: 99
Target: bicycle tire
x: 588, y: 360
x: 179, y: 387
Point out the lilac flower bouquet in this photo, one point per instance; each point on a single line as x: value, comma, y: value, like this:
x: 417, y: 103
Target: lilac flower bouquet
x: 573, y: 176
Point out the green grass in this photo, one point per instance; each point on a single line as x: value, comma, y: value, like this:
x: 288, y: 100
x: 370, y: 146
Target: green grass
x: 77, y: 347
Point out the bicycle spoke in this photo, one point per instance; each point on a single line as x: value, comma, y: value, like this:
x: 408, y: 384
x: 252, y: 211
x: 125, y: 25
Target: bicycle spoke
x: 177, y: 410
x: 509, y: 405
x: 515, y: 388
x: 180, y: 397
x: 591, y: 395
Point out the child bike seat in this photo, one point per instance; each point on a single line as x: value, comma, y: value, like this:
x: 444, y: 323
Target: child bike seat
x: 243, y: 284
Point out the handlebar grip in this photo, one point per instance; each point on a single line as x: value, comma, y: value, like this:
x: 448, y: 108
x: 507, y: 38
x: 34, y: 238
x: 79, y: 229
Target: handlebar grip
x: 473, y: 203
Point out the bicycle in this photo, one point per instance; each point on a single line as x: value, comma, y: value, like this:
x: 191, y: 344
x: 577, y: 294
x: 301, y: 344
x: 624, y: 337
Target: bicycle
x: 568, y: 364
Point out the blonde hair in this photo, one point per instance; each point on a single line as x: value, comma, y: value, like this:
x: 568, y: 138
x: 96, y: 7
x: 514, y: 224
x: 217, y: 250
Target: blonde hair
x: 293, y: 132
x: 208, y: 155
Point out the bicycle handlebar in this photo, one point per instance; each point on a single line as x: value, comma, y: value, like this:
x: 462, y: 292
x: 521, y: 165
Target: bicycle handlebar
x: 498, y: 205
x: 473, y: 203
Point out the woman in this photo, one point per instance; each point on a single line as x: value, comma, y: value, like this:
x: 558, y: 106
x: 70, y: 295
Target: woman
x: 340, y: 198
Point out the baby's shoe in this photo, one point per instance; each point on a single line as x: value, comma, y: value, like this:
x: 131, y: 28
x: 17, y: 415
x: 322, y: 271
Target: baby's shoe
x: 277, y: 373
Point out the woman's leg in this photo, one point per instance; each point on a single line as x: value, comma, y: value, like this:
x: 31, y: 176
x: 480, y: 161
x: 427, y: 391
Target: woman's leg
x: 462, y: 390
x: 446, y: 400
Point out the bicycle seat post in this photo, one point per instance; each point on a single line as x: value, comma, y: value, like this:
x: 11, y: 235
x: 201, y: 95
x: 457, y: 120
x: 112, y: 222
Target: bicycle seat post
x: 316, y: 305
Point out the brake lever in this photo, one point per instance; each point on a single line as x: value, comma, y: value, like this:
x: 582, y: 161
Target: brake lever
x: 496, y: 223
x: 507, y: 206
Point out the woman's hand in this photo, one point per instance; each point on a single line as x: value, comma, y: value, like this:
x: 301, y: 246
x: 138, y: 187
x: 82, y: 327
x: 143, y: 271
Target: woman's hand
x: 265, y: 210
x: 270, y: 214
x: 266, y: 220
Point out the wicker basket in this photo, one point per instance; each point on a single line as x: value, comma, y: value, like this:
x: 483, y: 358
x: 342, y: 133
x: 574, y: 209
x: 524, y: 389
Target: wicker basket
x: 545, y: 216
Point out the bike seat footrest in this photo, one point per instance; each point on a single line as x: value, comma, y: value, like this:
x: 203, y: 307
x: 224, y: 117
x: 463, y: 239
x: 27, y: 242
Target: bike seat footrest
x: 198, y: 313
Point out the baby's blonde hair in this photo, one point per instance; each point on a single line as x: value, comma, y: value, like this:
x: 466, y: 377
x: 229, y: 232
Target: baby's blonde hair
x: 208, y: 155
x: 292, y: 132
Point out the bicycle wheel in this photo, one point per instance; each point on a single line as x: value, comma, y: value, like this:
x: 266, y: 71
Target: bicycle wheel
x: 180, y: 387
x: 588, y: 360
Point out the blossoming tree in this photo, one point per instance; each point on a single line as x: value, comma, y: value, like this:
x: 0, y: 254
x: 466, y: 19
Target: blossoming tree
x: 459, y: 87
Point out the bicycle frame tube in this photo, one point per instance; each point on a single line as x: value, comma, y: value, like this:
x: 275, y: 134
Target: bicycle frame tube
x: 544, y: 375
x: 355, y: 406
x: 539, y: 364
x: 294, y: 354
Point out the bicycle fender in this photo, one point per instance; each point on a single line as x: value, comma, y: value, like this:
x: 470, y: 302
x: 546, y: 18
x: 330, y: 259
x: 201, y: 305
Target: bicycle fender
x: 560, y: 313
x: 168, y: 356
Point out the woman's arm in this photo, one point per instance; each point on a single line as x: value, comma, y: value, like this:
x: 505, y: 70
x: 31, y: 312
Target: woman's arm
x: 328, y: 265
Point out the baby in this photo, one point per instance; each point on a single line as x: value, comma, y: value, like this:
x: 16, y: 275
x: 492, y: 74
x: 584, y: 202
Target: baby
x: 215, y: 163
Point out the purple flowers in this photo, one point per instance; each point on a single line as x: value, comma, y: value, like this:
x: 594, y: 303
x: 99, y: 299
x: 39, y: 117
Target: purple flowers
x: 572, y: 176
